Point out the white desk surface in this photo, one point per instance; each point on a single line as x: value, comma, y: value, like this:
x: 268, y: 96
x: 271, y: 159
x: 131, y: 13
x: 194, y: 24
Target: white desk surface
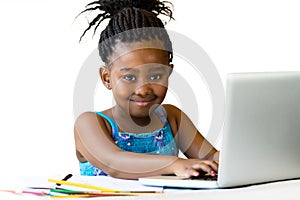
x: 276, y: 190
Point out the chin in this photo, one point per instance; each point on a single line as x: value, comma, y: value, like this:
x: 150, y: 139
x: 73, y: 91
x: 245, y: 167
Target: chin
x: 139, y: 113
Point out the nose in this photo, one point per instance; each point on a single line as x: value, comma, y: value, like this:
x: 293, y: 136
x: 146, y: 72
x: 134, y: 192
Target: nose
x: 144, y: 89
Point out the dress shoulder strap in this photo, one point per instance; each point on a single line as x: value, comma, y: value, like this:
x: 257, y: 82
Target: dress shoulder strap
x: 112, y: 123
x: 161, y: 113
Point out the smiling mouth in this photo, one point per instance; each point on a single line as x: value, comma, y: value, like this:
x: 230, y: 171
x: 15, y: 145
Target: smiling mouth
x: 142, y: 102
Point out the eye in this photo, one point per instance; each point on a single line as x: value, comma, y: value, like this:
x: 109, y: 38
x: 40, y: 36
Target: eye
x: 129, y: 77
x: 155, y: 77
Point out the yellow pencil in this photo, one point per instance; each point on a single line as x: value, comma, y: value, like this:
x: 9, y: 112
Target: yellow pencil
x: 81, y: 185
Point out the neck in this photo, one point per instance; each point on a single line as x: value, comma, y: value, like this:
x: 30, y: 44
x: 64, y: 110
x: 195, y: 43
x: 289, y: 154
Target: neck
x: 129, y: 123
x: 141, y: 121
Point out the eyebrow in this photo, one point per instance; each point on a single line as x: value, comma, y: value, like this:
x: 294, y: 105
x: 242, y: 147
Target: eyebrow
x: 159, y: 68
x: 126, y: 69
x: 156, y: 68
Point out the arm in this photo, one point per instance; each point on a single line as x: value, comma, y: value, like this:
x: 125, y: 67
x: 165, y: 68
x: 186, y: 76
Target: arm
x: 190, y: 140
x: 93, y: 141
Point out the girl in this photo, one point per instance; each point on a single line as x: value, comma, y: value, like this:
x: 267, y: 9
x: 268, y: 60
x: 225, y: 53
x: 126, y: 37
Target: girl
x: 138, y: 136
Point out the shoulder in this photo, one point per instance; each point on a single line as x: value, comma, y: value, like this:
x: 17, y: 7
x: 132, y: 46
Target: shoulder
x: 171, y: 110
x: 93, y: 115
x: 173, y: 116
x: 88, y: 120
x: 87, y: 117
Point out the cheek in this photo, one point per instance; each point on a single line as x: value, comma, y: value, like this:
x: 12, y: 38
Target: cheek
x: 121, y: 89
x: 160, y: 90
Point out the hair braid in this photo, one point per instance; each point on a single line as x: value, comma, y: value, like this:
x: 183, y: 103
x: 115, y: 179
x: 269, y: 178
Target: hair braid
x: 128, y: 15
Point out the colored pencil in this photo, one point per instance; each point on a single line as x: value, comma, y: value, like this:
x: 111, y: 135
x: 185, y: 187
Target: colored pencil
x: 102, y: 191
x: 39, y: 193
x: 81, y: 185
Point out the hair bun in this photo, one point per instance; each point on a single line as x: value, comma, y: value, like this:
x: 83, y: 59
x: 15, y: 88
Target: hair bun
x: 111, y: 7
x: 107, y: 9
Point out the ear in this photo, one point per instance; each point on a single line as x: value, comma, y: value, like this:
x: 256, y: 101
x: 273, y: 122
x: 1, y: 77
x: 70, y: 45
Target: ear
x: 105, y: 77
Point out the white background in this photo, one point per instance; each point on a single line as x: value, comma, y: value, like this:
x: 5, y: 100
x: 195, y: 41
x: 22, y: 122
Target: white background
x: 41, y: 57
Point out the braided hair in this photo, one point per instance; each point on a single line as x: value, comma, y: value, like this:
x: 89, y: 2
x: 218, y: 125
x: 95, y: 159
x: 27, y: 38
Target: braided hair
x: 130, y: 21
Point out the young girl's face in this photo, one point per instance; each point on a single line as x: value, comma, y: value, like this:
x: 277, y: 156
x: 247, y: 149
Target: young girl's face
x: 139, y: 80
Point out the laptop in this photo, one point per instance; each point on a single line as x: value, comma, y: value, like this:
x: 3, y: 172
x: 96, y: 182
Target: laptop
x: 261, y: 133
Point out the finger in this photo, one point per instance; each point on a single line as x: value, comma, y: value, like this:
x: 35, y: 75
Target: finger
x: 214, y: 165
x: 187, y: 172
x: 203, y: 167
x: 192, y: 172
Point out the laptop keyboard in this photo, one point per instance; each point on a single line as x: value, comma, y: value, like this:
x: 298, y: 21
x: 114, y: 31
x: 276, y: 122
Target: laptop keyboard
x: 205, y: 177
